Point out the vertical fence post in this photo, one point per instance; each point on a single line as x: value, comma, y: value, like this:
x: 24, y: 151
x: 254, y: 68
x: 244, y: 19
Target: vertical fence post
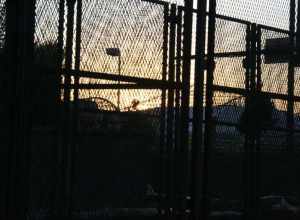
x: 185, y: 106
x: 162, y: 190
x: 27, y: 81
x: 291, y: 78
x: 177, y: 105
x: 19, y: 49
x: 11, y: 48
x: 58, y: 183
x: 75, y: 115
x: 5, y: 113
x: 197, y: 136
x: 67, y: 116
x: 209, y: 106
x: 252, y: 153
x: 246, y: 144
x: 251, y: 148
x: 258, y: 138
x: 170, y: 108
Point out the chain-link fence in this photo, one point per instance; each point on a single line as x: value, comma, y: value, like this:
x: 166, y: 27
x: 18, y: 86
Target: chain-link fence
x: 110, y: 108
x: 117, y: 120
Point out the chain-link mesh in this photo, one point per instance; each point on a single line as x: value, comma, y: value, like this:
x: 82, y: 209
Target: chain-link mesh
x: 44, y: 98
x: 136, y: 28
x: 46, y: 27
x: 275, y: 13
x: 297, y: 83
x: 227, y: 110
x: 274, y: 76
x: 229, y: 73
x: 2, y: 22
x: 230, y: 37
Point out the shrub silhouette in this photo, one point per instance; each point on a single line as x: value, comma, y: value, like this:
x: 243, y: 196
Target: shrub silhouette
x: 257, y: 116
x: 45, y: 80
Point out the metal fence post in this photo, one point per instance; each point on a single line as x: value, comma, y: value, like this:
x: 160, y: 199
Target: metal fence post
x: 185, y: 106
x: 75, y: 115
x: 253, y: 138
x: 11, y: 53
x: 291, y: 78
x: 258, y: 138
x: 177, y: 106
x: 19, y: 49
x: 67, y: 116
x: 170, y: 108
x: 209, y: 106
x: 162, y: 190
x: 197, y: 137
x: 246, y: 144
x: 58, y: 188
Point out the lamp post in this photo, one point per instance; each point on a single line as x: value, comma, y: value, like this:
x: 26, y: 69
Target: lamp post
x: 116, y: 52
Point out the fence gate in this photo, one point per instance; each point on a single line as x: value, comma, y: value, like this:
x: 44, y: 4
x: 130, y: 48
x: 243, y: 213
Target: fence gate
x: 252, y: 63
x: 108, y: 131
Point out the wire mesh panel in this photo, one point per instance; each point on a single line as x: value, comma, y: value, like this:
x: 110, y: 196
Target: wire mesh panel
x: 275, y: 138
x: 2, y: 22
x: 229, y: 72
x: 136, y: 29
x: 47, y: 18
x: 230, y: 38
x: 275, y: 13
x: 227, y: 147
x: 297, y: 82
x: 275, y: 74
x: 227, y: 116
x: 113, y: 132
x: 117, y: 168
x: 103, y: 148
x: 45, y: 96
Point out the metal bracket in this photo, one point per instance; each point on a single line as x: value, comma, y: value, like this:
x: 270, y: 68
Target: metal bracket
x: 71, y: 3
x: 206, y: 64
x: 245, y: 63
x: 172, y: 19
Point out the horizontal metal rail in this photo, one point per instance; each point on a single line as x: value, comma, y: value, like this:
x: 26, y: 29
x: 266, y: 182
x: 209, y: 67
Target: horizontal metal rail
x: 114, y: 77
x: 242, y: 91
x: 269, y: 28
x: 131, y: 81
x: 238, y: 20
x: 159, y: 2
x: 237, y: 54
x: 122, y: 86
x: 223, y: 54
x: 232, y: 19
x: 232, y: 124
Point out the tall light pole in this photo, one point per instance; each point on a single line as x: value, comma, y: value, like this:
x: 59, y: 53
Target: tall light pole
x: 116, y: 52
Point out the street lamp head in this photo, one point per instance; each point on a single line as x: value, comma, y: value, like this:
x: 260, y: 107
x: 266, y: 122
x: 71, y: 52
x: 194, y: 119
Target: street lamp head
x: 113, y: 51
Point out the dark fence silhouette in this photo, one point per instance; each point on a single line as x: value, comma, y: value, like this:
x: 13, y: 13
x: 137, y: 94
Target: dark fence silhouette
x: 148, y: 108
